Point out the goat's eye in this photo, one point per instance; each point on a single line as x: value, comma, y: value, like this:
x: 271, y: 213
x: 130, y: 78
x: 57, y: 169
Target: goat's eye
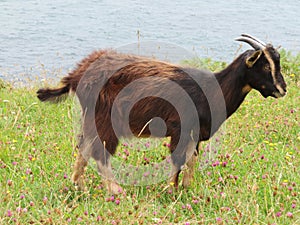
x: 267, y: 68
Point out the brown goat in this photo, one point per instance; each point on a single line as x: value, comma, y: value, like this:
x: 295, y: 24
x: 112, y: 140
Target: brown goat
x: 123, y: 95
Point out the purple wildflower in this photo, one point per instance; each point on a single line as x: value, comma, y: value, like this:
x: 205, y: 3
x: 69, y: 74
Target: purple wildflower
x: 9, y: 213
x: 9, y: 182
x: 147, y: 145
x: 188, y: 206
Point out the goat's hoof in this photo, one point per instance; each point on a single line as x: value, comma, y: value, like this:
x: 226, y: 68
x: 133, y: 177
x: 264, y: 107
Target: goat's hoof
x: 187, y: 179
x: 79, y: 187
x: 113, y: 188
x: 186, y: 182
x: 78, y: 184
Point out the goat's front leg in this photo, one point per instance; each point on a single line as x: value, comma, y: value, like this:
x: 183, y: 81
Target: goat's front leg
x: 181, y: 151
x: 188, y: 173
x: 175, y: 171
x: 184, y: 160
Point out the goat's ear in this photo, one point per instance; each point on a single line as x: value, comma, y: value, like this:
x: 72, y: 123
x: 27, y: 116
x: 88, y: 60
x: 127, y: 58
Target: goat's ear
x: 251, y: 60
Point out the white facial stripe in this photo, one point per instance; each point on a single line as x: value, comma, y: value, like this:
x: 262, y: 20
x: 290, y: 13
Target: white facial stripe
x: 272, y: 65
x: 280, y: 89
x: 278, y: 95
x: 273, y: 71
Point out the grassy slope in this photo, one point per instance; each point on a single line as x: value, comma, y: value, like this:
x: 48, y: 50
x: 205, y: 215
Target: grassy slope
x: 253, y: 180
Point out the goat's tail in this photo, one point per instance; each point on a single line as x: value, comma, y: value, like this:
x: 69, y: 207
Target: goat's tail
x: 53, y: 95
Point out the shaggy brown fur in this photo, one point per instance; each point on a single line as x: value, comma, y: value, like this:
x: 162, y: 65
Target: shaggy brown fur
x: 114, y: 88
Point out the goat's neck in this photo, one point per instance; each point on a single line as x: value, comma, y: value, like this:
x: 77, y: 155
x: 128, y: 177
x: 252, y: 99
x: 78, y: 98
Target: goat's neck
x: 234, y: 87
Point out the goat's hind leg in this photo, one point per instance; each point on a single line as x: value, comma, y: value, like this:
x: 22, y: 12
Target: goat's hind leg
x: 191, y: 159
x: 82, y: 158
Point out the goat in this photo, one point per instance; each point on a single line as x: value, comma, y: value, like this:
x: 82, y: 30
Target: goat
x: 123, y: 95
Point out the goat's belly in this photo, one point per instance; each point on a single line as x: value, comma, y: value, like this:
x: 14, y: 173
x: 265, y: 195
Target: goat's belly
x: 154, y: 127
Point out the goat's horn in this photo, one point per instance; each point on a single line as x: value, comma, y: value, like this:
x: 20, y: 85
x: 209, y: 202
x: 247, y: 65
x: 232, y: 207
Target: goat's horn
x: 255, y: 39
x: 254, y: 42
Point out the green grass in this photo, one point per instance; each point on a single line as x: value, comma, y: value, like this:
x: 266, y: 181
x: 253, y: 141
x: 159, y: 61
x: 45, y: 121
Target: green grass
x: 254, y: 179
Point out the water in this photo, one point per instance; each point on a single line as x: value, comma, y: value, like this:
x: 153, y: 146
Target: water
x: 46, y: 38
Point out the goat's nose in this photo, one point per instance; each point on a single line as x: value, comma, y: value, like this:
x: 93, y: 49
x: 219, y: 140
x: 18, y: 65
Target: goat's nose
x: 281, y: 90
x: 284, y: 89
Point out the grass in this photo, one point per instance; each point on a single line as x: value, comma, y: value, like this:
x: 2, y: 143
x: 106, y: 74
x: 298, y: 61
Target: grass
x: 254, y: 178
